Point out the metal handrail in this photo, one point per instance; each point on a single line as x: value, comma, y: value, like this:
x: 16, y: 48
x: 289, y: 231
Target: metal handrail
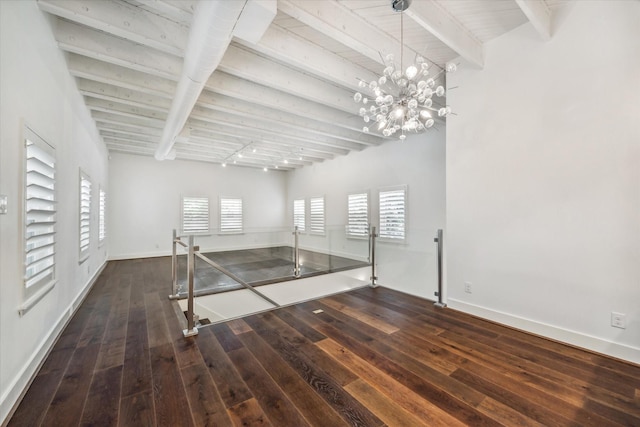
x: 236, y: 278
x: 193, y: 252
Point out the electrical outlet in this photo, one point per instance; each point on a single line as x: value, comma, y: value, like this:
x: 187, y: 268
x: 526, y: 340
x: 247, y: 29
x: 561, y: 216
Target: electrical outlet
x: 618, y: 320
x: 3, y: 204
x: 467, y: 287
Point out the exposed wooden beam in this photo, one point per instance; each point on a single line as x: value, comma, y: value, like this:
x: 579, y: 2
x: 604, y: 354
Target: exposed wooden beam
x: 439, y: 22
x: 538, y: 13
x: 123, y: 109
x: 125, y: 119
x: 88, y: 68
x: 125, y: 96
x: 127, y: 128
x: 265, y: 96
x: 243, y: 63
x: 104, y: 47
x: 269, y: 128
x: 338, y: 22
x: 226, y: 104
x: 271, y: 137
x: 288, y: 48
x: 123, y: 20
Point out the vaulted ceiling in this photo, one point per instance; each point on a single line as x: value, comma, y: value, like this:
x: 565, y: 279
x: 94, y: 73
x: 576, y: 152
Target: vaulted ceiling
x: 259, y: 83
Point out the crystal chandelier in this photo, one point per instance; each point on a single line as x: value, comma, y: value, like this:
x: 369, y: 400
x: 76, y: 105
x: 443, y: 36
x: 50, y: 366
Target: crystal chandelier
x: 402, y: 97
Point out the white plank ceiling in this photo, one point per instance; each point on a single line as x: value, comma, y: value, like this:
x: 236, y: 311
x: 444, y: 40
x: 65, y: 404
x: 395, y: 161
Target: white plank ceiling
x: 284, y: 101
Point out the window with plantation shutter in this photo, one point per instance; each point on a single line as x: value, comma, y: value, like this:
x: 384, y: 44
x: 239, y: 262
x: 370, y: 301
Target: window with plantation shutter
x: 358, y: 215
x: 40, y: 212
x: 299, y: 214
x: 195, y: 214
x: 101, y: 217
x: 85, y: 215
x: 230, y: 215
x: 316, y: 215
x: 392, y: 214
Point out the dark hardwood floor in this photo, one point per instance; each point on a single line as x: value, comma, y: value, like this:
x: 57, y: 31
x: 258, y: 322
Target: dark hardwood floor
x: 372, y: 357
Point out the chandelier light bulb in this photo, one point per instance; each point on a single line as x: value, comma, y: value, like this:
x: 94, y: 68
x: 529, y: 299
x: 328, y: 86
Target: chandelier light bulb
x: 411, y: 72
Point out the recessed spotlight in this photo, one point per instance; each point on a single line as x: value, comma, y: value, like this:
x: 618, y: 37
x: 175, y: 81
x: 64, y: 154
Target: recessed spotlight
x: 224, y: 165
x: 286, y: 162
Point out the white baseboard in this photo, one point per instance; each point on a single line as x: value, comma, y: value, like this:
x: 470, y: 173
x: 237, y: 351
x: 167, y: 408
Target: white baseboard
x: 16, y: 391
x: 599, y: 345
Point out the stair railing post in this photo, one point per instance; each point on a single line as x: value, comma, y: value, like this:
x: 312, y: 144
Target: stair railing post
x: 174, y: 266
x: 191, y: 260
x: 439, y: 241
x: 296, y: 252
x: 372, y: 255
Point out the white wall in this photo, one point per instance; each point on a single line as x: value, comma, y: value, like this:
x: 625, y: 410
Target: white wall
x: 418, y: 163
x: 543, y: 180
x: 146, y: 196
x: 37, y: 89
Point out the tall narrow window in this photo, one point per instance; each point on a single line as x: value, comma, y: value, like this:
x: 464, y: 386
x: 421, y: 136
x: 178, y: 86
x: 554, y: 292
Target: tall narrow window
x: 392, y: 214
x: 195, y: 214
x: 316, y: 215
x: 358, y: 215
x: 299, y: 214
x: 230, y: 215
x: 40, y: 212
x: 101, y: 217
x: 85, y: 215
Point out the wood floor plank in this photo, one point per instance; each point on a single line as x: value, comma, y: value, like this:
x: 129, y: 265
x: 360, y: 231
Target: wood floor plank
x: 137, y: 410
x: 157, y: 330
x: 382, y: 406
x: 137, y: 362
x: 68, y: 402
x: 289, y: 317
x: 112, y: 351
x: 444, y: 399
x: 273, y: 401
x: 409, y: 400
x: 248, y: 413
x: 169, y: 395
x: 363, y: 317
x: 239, y: 326
x: 309, y: 403
x: 103, y: 400
x: 207, y: 406
x: 533, y: 372
x: 306, y: 348
x: 333, y: 393
x: 232, y: 389
x: 411, y: 359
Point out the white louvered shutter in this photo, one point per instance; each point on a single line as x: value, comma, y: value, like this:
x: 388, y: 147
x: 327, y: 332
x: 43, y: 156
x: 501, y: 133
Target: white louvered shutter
x: 392, y: 214
x: 40, y: 213
x: 231, y: 215
x: 358, y: 215
x: 195, y: 214
x: 316, y: 215
x: 299, y: 214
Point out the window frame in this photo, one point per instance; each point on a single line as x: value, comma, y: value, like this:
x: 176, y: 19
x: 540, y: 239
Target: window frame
x: 303, y: 228
x: 349, y: 227
x: 311, y: 229
x: 84, y: 212
x: 385, y: 236
x: 222, y: 230
x: 48, y: 199
x: 183, y: 218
